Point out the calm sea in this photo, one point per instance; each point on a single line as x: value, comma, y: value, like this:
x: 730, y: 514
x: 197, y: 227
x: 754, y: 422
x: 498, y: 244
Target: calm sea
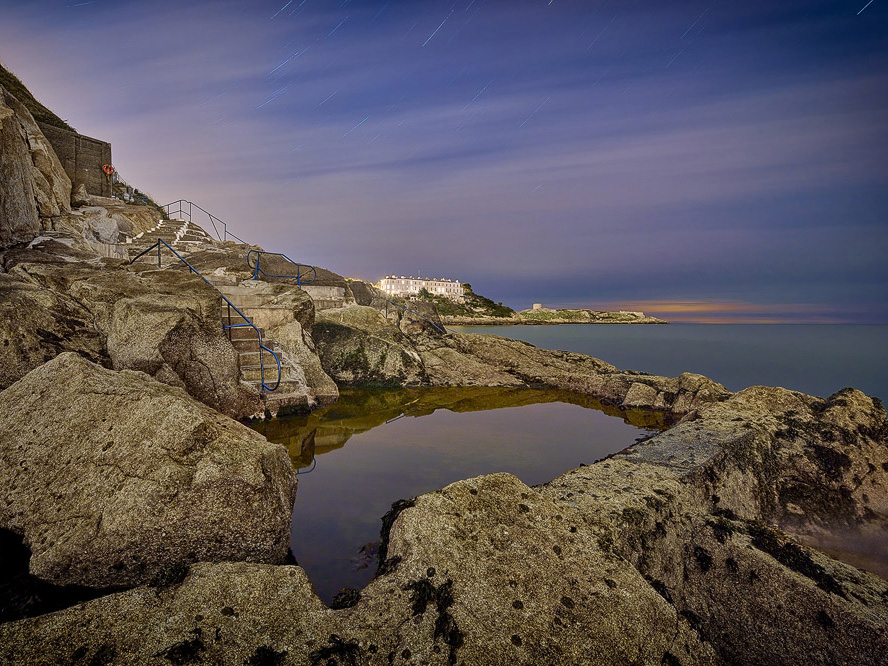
x: 815, y: 359
x: 375, y: 446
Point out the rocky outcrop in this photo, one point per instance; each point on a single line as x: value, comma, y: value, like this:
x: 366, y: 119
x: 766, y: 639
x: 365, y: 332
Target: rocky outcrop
x: 162, y: 322
x: 361, y: 345
x: 105, y: 228
x: 549, y: 316
x: 37, y: 324
x: 668, y: 552
x: 167, y: 325
x: 365, y: 293
x: 358, y: 345
x: 481, y: 320
x: 33, y: 184
x: 79, y: 195
x: 484, y: 571
x: 678, y: 550
x: 18, y: 210
x: 114, y: 478
x: 698, y: 509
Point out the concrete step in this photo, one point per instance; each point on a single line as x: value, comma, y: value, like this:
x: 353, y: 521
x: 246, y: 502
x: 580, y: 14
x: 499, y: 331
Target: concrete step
x: 328, y: 303
x: 288, y: 390
x: 244, y: 333
x: 246, y: 300
x: 252, y: 373
x: 235, y: 318
x: 290, y: 402
x: 220, y: 282
x: 250, y: 357
x: 246, y: 345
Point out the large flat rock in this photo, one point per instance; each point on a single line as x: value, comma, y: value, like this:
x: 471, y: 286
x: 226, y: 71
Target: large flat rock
x: 113, y: 478
x: 484, y: 571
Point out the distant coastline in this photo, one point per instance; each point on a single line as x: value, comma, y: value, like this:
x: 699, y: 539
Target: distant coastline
x: 547, y: 317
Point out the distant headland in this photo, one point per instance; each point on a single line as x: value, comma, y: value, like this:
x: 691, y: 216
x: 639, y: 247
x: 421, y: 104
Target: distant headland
x: 459, y: 305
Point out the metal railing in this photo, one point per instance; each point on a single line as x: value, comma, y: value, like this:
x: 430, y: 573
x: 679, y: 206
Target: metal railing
x: 310, y: 468
x: 406, y: 309
x: 231, y: 306
x: 185, y: 210
x: 299, y: 275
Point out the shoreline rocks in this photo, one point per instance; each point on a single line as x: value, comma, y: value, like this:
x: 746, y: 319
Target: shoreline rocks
x: 113, y: 478
x: 165, y: 323
x: 662, y: 553
x: 690, y: 530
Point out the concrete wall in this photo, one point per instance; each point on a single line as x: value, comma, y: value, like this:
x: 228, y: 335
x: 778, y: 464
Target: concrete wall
x: 82, y: 157
x: 324, y: 293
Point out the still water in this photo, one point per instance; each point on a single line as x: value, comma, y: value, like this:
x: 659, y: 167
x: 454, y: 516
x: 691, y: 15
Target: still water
x: 376, y: 446
x: 812, y: 358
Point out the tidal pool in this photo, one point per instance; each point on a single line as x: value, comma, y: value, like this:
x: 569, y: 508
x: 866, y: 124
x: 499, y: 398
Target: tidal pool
x: 376, y: 446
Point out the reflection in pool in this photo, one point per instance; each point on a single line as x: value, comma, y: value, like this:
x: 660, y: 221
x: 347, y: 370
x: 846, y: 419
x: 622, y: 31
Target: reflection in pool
x: 464, y: 432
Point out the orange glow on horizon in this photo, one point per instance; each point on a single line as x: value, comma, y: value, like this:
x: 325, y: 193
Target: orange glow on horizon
x: 730, y: 312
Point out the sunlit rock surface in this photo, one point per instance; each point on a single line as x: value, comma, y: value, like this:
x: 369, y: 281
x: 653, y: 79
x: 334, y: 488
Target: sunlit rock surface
x: 113, y: 478
x: 696, y: 510
x: 358, y: 345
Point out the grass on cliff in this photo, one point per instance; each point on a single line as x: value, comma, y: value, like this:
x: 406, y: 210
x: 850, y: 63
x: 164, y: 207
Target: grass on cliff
x: 139, y: 198
x: 18, y: 90
x: 473, y: 305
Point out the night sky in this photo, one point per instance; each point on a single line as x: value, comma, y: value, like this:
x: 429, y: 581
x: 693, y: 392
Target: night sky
x: 711, y: 160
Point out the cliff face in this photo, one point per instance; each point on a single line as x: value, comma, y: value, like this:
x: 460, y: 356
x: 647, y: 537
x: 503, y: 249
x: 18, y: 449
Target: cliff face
x: 33, y: 184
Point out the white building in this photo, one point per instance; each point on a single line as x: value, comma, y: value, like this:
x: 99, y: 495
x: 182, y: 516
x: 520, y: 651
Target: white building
x: 411, y: 286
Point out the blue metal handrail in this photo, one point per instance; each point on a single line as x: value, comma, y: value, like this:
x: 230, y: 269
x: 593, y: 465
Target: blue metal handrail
x: 406, y: 309
x: 225, y: 327
x: 186, y: 207
x: 299, y: 267
x: 310, y: 468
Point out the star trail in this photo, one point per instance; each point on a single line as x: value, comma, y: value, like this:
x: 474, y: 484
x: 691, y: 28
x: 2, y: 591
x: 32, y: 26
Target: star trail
x: 566, y: 152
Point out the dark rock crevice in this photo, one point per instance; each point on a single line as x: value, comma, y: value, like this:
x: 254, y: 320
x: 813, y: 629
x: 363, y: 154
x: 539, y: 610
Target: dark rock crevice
x: 23, y: 595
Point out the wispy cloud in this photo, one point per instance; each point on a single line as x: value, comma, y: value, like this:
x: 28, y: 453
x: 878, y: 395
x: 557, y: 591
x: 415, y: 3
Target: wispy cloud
x: 709, y: 153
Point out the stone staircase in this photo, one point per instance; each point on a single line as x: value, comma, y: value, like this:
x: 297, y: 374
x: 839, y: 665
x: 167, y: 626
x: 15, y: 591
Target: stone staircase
x: 292, y: 392
x: 179, y: 234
